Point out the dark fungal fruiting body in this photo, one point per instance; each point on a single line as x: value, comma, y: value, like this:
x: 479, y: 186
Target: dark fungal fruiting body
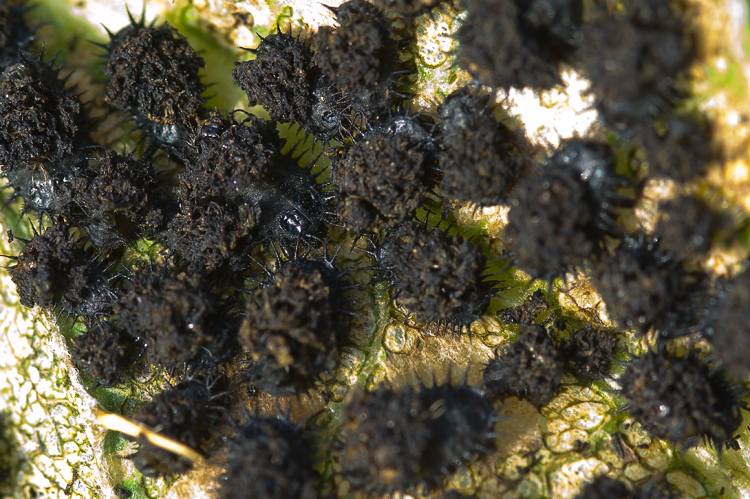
x: 224, y: 158
x: 294, y: 207
x: 215, y: 228
x: 682, y: 398
x: 438, y: 278
x: 558, y: 221
x: 176, y: 317
x: 680, y: 147
x: 397, y: 440
x: 53, y: 270
x: 268, y: 459
x: 589, y: 352
x: 689, y: 227
x: 186, y: 413
x: 515, y: 43
x: 631, y: 58
x: 293, y: 327
x: 118, y: 199
x: 526, y: 313
x: 361, y: 58
x: 285, y: 80
x: 604, y: 487
x: 104, y: 352
x: 41, y: 122
x: 728, y: 329
x: 46, y: 190
x: 281, y: 77
x: 530, y: 369
x: 645, y: 287
x: 481, y: 159
x: 153, y: 75
x: 385, y: 177
x: 212, y: 237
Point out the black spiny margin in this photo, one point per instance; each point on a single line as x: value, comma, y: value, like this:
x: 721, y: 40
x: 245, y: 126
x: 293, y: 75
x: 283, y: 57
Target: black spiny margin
x: 176, y: 316
x: 518, y: 43
x: 153, y: 75
x: 559, y: 220
x: 15, y: 34
x: 439, y: 278
x: 385, y: 177
x: 294, y: 326
x: 118, y: 200
x: 729, y: 328
x: 589, y: 352
x: 645, y: 287
x: 481, y: 158
x: 54, y: 270
x: 284, y: 79
x: 682, y: 399
x: 186, y: 413
x: 361, y: 58
x: 631, y: 57
x: 104, y: 353
x: 397, y: 440
x: 530, y: 369
x: 41, y: 121
x: 295, y: 207
x: 269, y: 459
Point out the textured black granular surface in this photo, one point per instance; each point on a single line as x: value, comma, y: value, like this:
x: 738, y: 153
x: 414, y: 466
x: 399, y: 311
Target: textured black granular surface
x: 213, y: 237
x: 268, y: 459
x: 517, y: 43
x: 558, y: 220
x: 281, y: 77
x: 530, y: 369
x: 360, y: 57
x: 438, y: 278
x: 729, y: 329
x: 55, y: 270
x: 689, y: 227
x: 174, y: 314
x: 104, y: 353
x: 589, y: 352
x: 396, y: 440
x: 681, y: 148
x: 184, y: 413
x: 153, y: 74
x: 293, y: 326
x: 481, y: 158
x: 40, y: 120
x: 631, y: 58
x: 681, y: 399
x: 120, y: 199
x: 526, y: 313
x: 224, y: 158
x: 382, y: 179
